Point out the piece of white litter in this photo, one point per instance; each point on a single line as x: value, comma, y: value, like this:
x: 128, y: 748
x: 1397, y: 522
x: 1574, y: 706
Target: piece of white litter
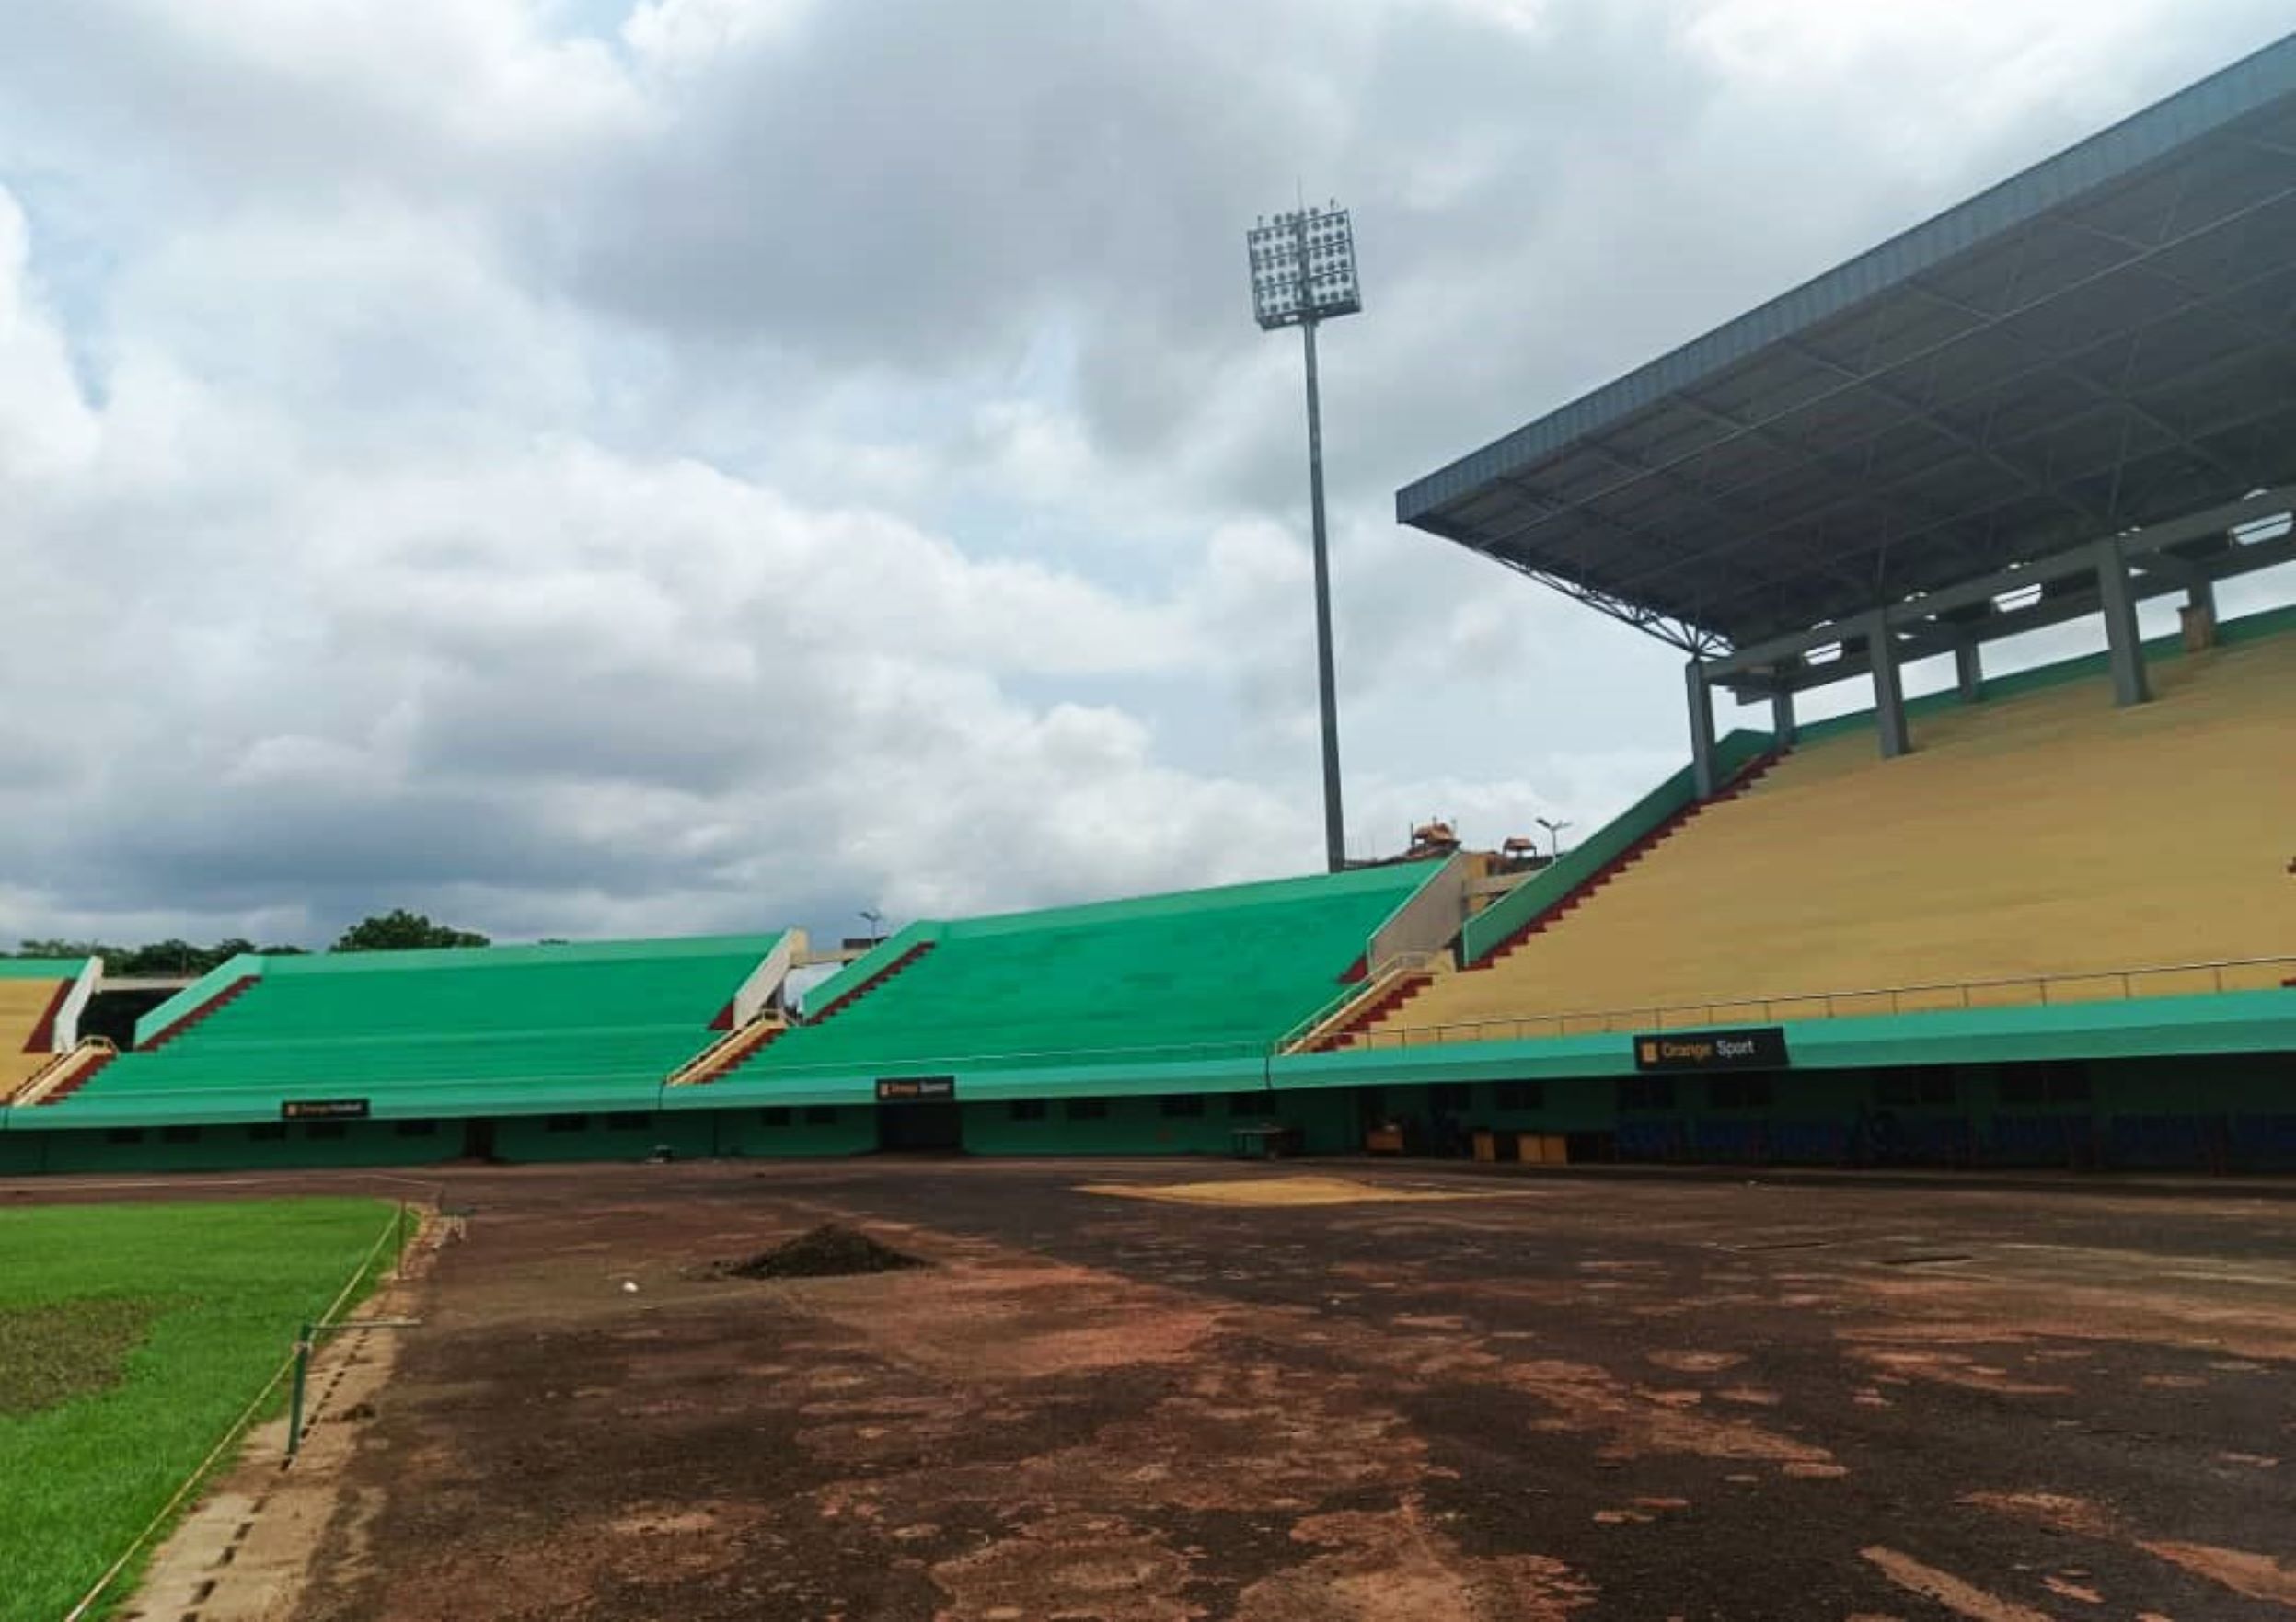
x: 630, y: 1286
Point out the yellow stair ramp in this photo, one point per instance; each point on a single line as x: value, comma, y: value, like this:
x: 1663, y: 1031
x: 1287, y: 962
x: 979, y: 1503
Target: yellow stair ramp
x: 2047, y: 834
x: 728, y: 1052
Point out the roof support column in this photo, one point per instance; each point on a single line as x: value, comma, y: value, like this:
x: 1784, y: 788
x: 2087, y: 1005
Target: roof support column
x: 1969, y: 670
x: 1702, y: 703
x: 2125, y: 649
x: 1782, y: 730
x: 2198, y: 617
x: 1890, y: 701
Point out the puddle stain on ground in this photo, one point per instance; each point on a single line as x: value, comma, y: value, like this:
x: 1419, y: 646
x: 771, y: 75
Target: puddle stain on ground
x: 1695, y: 1363
x: 1073, y: 1564
x: 1962, y: 1597
x: 1952, y: 1368
x: 2256, y: 1576
x: 1277, y: 1193
x: 1393, y: 1567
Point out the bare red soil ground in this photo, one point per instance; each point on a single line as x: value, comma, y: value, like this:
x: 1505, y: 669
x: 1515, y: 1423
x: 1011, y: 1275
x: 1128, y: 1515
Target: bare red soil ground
x: 1542, y: 1398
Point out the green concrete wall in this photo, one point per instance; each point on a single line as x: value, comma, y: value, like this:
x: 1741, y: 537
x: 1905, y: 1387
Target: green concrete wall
x: 227, y: 1148
x: 2195, y: 1082
x: 618, y: 1135
x: 1121, y: 1126
x: 2202, y: 1112
x: 2225, y: 1023
x: 777, y: 1132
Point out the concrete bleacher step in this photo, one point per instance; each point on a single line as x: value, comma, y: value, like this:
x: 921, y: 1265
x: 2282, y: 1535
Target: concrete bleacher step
x: 77, y: 1080
x: 475, y: 1030
x: 1405, y: 988
x: 733, y: 1053
x: 1229, y: 970
x: 1577, y: 896
x: 849, y: 997
x: 204, y: 1012
x: 2016, y: 856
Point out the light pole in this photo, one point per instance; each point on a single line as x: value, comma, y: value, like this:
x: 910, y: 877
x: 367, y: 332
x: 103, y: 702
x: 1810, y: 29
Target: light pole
x: 876, y: 922
x: 1555, y: 835
x: 1303, y: 272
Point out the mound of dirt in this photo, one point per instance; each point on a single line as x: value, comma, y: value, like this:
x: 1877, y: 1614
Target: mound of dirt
x: 831, y: 1250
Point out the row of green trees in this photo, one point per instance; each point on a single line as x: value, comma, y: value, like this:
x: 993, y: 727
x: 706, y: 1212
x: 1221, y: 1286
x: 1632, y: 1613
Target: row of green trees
x: 395, y: 931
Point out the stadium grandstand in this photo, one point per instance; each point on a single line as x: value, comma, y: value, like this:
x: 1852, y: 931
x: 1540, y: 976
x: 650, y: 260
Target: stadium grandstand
x: 2036, y: 848
x: 2042, y: 916
x: 1108, y: 1003
x: 405, y: 1056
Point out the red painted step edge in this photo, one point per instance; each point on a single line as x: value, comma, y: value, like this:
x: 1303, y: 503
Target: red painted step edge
x: 207, y: 1009
x: 77, y: 1082
x: 719, y: 1071
x: 43, y: 1034
x: 849, y: 997
x: 1569, y: 901
x: 1377, y: 1008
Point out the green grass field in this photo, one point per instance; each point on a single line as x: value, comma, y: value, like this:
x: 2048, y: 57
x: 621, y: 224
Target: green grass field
x: 131, y: 1337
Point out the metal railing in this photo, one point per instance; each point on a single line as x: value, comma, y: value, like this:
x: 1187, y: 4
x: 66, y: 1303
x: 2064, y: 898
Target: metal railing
x: 2015, y: 991
x: 1255, y: 1050
x: 44, y: 1080
x: 1352, y: 997
x: 733, y: 1045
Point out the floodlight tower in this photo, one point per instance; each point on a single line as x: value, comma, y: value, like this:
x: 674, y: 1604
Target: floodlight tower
x: 1303, y: 272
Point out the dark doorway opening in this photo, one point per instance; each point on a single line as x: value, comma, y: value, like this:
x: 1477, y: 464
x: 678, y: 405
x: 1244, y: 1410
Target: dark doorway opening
x: 1371, y: 1110
x: 478, y: 1140
x: 925, y: 1126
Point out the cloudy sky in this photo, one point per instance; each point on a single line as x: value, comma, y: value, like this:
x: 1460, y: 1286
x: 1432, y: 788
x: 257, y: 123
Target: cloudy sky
x: 585, y: 469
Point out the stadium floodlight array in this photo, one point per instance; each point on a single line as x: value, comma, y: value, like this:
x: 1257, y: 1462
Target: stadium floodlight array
x: 1303, y: 268
x: 1303, y: 273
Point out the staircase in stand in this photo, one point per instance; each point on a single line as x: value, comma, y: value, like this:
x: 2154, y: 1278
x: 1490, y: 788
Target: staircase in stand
x: 853, y: 995
x: 205, y: 1011
x: 1576, y: 896
x: 67, y: 1073
x: 722, y: 1057
x: 1402, y: 989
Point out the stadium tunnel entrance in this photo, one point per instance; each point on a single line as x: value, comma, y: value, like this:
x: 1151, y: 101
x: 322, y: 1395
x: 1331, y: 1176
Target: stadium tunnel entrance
x: 933, y: 1126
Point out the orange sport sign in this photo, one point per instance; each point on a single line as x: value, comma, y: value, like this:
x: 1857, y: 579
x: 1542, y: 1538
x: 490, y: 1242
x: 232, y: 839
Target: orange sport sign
x: 1761, y: 1047
x: 915, y: 1089
x: 323, y: 1110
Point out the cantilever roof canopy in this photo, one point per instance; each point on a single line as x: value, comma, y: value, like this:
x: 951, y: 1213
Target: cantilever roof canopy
x: 2103, y: 342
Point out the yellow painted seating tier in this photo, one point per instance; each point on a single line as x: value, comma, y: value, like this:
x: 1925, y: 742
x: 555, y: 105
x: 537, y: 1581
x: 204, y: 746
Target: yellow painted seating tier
x: 22, y: 1002
x: 2050, y: 834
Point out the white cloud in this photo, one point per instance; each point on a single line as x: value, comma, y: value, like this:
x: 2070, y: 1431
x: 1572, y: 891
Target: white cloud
x: 746, y: 459
x: 47, y: 430
x: 684, y: 36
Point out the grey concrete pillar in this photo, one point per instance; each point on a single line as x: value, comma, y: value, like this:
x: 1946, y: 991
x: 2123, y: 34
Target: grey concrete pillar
x: 1782, y: 730
x: 1968, y: 670
x: 1701, y: 704
x: 2124, y: 648
x: 2197, y: 617
x: 1889, y: 702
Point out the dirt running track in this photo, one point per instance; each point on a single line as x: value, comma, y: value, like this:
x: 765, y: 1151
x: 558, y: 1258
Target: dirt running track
x: 1559, y: 1398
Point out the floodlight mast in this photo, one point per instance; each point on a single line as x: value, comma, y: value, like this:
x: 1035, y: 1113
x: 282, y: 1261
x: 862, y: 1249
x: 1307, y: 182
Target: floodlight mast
x: 1303, y: 272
